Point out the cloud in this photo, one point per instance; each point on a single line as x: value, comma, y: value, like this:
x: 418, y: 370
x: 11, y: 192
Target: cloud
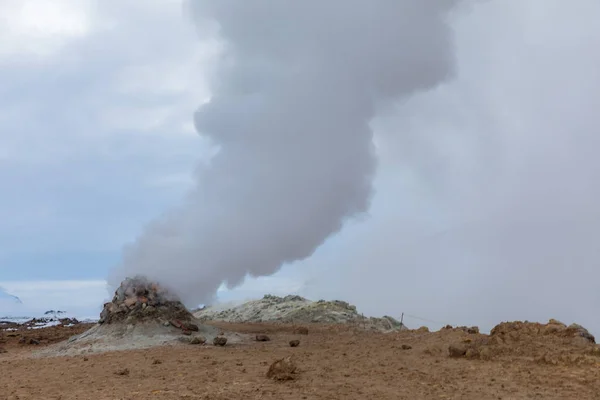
x: 31, y: 30
x: 82, y: 139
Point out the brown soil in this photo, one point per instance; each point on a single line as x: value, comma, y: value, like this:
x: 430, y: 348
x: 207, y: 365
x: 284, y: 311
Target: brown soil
x: 332, y: 362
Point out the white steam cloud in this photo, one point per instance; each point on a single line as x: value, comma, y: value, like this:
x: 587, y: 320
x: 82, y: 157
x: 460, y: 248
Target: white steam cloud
x: 290, y: 113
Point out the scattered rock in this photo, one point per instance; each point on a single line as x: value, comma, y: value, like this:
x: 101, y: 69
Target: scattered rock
x: 188, y: 326
x: 122, y: 372
x: 262, y: 338
x: 294, y: 343
x: 198, y: 340
x: 34, y: 342
x: 220, y: 341
x: 282, y: 370
x: 156, y: 362
x: 406, y: 347
x: 457, y: 350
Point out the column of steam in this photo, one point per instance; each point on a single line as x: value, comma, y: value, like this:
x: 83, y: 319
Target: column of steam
x: 297, y: 86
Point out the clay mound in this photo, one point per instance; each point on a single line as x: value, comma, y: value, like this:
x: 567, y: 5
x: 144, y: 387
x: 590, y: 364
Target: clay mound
x: 141, y: 314
x: 551, y: 343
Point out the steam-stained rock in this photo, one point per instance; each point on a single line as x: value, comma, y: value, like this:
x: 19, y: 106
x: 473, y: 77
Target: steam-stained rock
x: 139, y: 300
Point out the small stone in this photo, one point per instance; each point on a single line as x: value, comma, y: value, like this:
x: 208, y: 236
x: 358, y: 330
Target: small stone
x: 294, y: 343
x: 198, y: 340
x: 186, y: 333
x: 262, y: 338
x: 3, y: 350
x: 85, y: 359
x: 190, y: 327
x: 122, y: 372
x: 34, y: 341
x: 406, y: 347
x: 156, y: 362
x: 282, y: 370
x: 220, y: 341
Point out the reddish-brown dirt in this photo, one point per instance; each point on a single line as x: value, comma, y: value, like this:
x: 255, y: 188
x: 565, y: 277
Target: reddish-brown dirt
x: 332, y: 363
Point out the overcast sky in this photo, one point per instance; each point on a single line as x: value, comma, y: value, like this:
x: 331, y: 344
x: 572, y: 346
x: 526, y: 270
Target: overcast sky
x: 97, y: 139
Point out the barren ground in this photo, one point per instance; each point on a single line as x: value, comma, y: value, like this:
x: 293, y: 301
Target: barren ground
x: 334, y: 362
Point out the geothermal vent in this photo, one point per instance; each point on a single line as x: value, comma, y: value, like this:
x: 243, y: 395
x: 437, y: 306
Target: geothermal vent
x: 141, y: 314
x: 138, y: 300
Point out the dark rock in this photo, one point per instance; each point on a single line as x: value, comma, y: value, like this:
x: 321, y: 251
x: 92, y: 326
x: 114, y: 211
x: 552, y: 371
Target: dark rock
x: 190, y: 327
x: 198, y: 340
x: 34, y: 341
x: 262, y: 338
x: 406, y: 347
x: 294, y: 343
x: 220, y: 341
x: 282, y: 370
x: 122, y: 372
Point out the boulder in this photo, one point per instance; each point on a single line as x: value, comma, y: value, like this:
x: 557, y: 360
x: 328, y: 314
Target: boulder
x: 282, y: 370
x: 220, y: 341
x: 262, y: 338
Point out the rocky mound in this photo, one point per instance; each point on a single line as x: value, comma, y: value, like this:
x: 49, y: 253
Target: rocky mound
x: 138, y: 300
x: 141, y: 314
x: 297, y: 309
x: 552, y: 343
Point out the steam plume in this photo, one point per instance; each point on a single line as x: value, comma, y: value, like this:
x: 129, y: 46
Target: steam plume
x: 290, y: 111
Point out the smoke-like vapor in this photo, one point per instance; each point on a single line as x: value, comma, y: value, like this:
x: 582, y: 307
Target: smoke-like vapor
x: 500, y: 217
x: 296, y: 90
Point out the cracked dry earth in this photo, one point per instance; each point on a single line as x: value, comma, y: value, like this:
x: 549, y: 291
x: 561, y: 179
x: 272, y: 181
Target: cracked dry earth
x: 333, y: 362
